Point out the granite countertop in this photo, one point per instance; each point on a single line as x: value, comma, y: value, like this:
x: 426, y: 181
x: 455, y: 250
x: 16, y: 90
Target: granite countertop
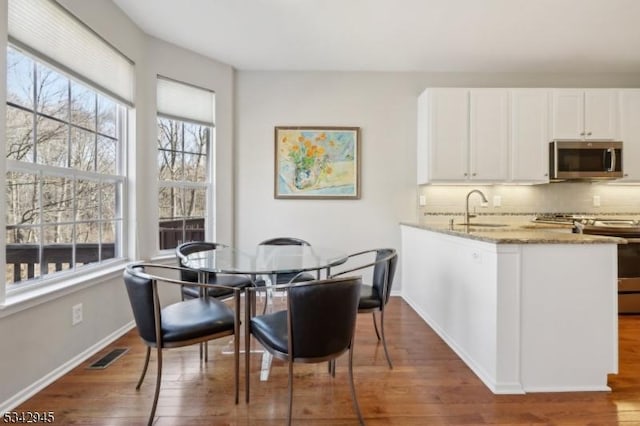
x: 516, y: 233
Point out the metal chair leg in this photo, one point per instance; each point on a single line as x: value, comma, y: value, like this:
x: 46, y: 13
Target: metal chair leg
x: 252, y: 306
x: 144, y: 369
x: 236, y: 350
x: 157, y: 393
x: 356, y: 406
x: 290, y: 391
x: 375, y: 324
x: 332, y: 367
x: 384, y: 341
x: 247, y: 342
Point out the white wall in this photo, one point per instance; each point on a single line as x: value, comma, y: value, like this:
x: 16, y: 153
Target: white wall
x: 38, y: 341
x: 379, y: 104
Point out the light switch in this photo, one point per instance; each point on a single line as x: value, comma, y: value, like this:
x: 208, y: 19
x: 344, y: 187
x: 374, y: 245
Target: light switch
x: 497, y: 201
x: 423, y: 201
x: 596, y: 201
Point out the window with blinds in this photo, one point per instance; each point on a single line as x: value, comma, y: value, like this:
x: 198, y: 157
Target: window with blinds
x: 67, y: 91
x: 47, y: 30
x: 185, y: 129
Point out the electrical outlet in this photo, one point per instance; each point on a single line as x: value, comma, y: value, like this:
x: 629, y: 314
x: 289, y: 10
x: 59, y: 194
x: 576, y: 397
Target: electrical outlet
x: 497, y: 201
x: 76, y: 314
x: 596, y: 201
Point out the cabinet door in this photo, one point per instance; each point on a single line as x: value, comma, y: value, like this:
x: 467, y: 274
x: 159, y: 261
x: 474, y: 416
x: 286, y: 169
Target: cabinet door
x: 529, y: 135
x: 488, y: 134
x: 568, y: 114
x: 630, y: 134
x: 600, y: 114
x: 448, y: 134
x: 585, y: 114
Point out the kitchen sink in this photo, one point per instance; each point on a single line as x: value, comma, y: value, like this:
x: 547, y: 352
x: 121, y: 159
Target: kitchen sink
x: 488, y: 225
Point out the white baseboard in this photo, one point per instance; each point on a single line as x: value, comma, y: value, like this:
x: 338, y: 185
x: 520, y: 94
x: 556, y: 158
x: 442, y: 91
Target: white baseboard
x: 594, y: 388
x: 54, y: 375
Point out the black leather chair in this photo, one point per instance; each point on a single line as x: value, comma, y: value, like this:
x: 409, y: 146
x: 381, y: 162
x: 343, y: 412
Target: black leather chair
x: 179, y: 324
x: 288, y: 277
x: 189, y: 275
x: 317, y: 326
x: 374, y: 297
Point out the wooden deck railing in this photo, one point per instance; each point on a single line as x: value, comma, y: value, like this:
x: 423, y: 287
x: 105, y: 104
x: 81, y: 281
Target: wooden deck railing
x: 171, y: 232
x: 23, y: 260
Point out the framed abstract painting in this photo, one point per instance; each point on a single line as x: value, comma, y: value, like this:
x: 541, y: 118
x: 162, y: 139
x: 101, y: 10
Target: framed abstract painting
x: 317, y: 162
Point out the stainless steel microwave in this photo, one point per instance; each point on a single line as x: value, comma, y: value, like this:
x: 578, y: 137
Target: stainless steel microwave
x: 588, y: 160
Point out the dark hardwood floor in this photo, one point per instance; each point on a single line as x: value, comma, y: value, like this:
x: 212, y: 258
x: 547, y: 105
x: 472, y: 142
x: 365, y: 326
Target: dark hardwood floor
x: 429, y: 385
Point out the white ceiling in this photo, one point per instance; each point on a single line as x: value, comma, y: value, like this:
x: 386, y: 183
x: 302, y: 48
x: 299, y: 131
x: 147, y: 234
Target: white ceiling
x: 401, y: 35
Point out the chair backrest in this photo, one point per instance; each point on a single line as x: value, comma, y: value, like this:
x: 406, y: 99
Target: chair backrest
x: 140, y: 291
x: 384, y: 271
x: 322, y: 316
x: 185, y: 249
x: 284, y: 241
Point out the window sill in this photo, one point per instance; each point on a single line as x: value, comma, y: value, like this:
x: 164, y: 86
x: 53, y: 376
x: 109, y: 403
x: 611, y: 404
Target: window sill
x: 164, y: 257
x: 22, y: 300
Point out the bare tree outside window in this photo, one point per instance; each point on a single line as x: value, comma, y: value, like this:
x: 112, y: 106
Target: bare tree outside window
x: 183, y: 152
x: 64, y: 179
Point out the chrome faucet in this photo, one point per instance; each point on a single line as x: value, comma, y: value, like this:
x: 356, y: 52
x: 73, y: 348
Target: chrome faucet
x: 468, y: 216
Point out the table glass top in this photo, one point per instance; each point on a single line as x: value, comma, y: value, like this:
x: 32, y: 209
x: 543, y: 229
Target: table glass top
x: 265, y: 259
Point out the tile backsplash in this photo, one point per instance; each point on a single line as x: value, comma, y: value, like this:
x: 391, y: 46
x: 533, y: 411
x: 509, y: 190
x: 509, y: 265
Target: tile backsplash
x: 560, y: 197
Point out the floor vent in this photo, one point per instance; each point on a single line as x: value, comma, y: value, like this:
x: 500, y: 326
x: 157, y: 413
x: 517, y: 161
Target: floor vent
x: 109, y: 358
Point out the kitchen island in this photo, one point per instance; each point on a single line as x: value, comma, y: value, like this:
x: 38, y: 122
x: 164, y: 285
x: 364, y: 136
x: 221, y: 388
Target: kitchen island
x: 528, y: 310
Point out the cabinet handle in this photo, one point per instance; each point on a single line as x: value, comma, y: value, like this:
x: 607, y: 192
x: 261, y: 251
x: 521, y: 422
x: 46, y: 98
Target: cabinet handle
x: 473, y: 174
x: 626, y: 175
x: 466, y: 174
x: 582, y: 134
x: 589, y: 134
x: 546, y: 174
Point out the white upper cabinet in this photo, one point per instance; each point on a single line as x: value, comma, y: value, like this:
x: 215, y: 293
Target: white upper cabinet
x: 488, y: 134
x: 477, y: 135
x: 589, y: 114
x: 443, y: 132
x: 630, y: 134
x: 529, y: 135
x: 462, y: 135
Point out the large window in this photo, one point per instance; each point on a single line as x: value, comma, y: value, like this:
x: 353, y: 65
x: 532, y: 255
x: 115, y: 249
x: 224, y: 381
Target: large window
x: 183, y: 152
x: 65, y: 179
x: 185, y: 139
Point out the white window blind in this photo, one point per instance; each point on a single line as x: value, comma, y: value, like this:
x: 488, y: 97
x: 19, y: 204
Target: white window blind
x: 181, y: 101
x: 46, y: 29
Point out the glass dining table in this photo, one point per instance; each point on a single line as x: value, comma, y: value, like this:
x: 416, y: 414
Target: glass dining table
x: 267, y: 261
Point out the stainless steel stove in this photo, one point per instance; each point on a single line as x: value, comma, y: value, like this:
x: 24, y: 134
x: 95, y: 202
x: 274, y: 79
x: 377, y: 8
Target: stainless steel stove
x: 628, y: 254
x: 561, y: 218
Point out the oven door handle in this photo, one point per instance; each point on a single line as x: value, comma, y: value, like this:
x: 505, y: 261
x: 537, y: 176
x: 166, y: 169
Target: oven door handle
x: 632, y: 240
